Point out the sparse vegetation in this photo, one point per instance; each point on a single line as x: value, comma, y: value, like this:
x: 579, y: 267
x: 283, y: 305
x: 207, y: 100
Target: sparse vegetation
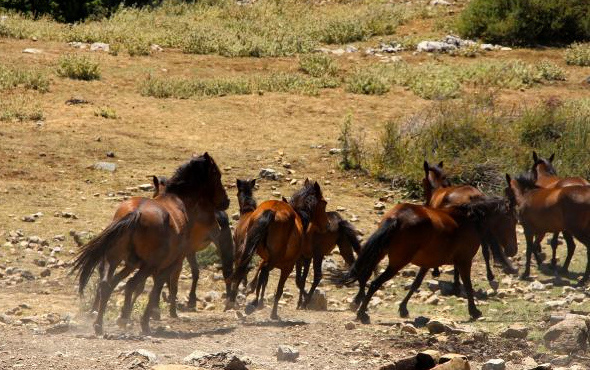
x: 526, y: 22
x: 481, y: 142
x: 20, y: 108
x: 578, y: 54
x: 550, y: 71
x: 30, y: 79
x: 318, y: 65
x: 78, y: 67
x: 369, y: 80
x: 106, y: 112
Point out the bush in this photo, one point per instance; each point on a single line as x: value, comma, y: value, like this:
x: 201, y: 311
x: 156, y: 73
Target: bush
x: 352, y: 152
x: 550, y: 71
x: 526, y: 22
x: 318, y: 65
x: 78, y: 67
x: 578, y: 54
x: 20, y: 108
x: 480, y: 142
x: 106, y: 112
x: 29, y: 79
x: 369, y: 80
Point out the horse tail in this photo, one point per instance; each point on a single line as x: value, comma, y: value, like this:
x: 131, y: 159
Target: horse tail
x: 94, y: 251
x: 371, y: 253
x: 256, y: 235
x: 349, y: 233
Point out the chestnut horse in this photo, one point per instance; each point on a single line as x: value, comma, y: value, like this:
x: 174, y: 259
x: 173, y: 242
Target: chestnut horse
x: 275, y: 230
x: 553, y: 210
x: 339, y: 232
x: 427, y: 237
x: 546, y: 177
x: 220, y: 235
x: 154, y: 236
x: 440, y: 193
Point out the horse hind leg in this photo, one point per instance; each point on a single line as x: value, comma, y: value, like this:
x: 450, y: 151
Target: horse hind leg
x: 159, y: 281
x: 571, y: 248
x: 96, y: 302
x: 361, y: 314
x: 173, y: 288
x: 282, y: 279
x: 554, y: 243
x: 105, y: 289
x: 134, y: 284
x: 403, y: 306
x: 318, y: 259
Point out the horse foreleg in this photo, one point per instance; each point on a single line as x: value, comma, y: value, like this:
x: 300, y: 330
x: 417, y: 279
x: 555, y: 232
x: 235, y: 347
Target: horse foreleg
x: 537, y: 250
x: 529, y: 253
x: 485, y: 251
x: 554, y: 242
x: 465, y: 271
x: 173, y: 288
x: 282, y: 279
x: 299, y: 281
x: 571, y: 247
x: 192, y: 296
x: 403, y: 306
x: 584, y: 238
x: 358, y: 298
x: 361, y: 314
x: 318, y: 258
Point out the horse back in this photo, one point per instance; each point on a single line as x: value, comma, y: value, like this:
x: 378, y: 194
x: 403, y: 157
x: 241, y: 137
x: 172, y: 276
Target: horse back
x: 454, y: 195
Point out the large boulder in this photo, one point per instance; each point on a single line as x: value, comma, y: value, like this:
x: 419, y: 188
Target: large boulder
x: 569, y: 335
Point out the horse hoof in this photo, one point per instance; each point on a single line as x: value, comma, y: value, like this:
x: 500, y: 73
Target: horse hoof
x: 524, y: 276
x: 274, y: 316
x: 494, y: 284
x: 98, y: 329
x: 403, y: 312
x: 173, y: 315
x: 250, y: 309
x: 122, y: 322
x: 145, y: 328
x: 475, y: 314
x: 363, y: 318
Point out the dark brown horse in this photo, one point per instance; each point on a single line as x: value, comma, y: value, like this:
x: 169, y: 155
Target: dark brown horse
x: 440, y: 193
x: 220, y: 236
x: 546, y: 177
x: 542, y: 210
x: 339, y: 232
x: 247, y: 205
x: 275, y: 230
x: 154, y: 236
x: 427, y: 237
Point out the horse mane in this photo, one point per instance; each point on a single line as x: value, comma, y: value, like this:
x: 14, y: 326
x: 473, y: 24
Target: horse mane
x: 188, y: 177
x: 527, y: 180
x: 304, y: 202
x: 480, y: 208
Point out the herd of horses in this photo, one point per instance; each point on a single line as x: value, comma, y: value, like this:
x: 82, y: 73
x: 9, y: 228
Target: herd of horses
x: 153, y: 236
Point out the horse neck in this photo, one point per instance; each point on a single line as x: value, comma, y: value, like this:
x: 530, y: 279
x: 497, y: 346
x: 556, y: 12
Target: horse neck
x: 247, y: 204
x: 544, y: 178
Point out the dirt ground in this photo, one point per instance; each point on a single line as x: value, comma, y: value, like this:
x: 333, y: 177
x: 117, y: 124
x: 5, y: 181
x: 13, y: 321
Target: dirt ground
x: 44, y: 167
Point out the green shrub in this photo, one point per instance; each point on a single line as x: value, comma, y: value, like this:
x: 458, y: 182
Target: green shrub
x: 137, y: 47
x: 550, y: 71
x: 578, y: 54
x: 480, y: 142
x: 434, y: 82
x: 78, y: 67
x: 208, y: 256
x: 526, y: 22
x: 351, y: 143
x: 318, y: 65
x: 369, y: 80
x: 513, y: 74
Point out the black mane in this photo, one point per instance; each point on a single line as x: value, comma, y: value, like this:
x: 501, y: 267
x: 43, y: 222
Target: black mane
x: 527, y: 181
x: 188, y: 177
x: 304, y: 202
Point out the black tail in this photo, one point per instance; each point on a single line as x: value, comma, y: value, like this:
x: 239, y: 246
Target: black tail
x: 371, y: 253
x: 349, y: 233
x: 256, y: 235
x: 93, y: 252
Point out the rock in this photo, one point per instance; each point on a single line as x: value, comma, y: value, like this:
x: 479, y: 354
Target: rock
x: 486, y: 47
x: 78, y: 45
x: 407, y: 363
x: 351, y: 49
x: 32, y: 51
x: 551, y: 305
x: 494, y: 364
x: 439, y: 2
x: 75, y: 100
x: 26, y: 274
x: 156, y: 48
x: 437, y: 327
x: 45, y: 272
x: 146, y: 187
x: 457, y: 363
x: 379, y: 206
x: 212, y: 296
x: 434, y: 46
x: 536, y: 285
x: 421, y: 321
x: 349, y: 325
x: 59, y: 328
x: 432, y: 300
x: 447, y: 357
x: 335, y: 151
x: 338, y: 52
x: 505, y: 48
x: 141, y: 354
x: 329, y: 265
x: 111, y: 154
x: 100, y: 46
x: 287, y: 353
x: 409, y: 328
x: 546, y: 366
x: 427, y: 359
x: 567, y: 336
x: 318, y: 301
x: 269, y: 173
x: 515, y: 331
x: 433, y: 285
x: 563, y: 360
x: 226, y: 360
x: 105, y: 166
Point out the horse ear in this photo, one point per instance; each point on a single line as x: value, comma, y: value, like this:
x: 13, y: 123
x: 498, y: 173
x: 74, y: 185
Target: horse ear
x: 317, y: 188
x: 252, y: 183
x: 552, y: 158
x: 306, y: 183
x: 441, y: 164
x: 535, y: 156
x: 238, y: 183
x: 426, y: 167
x: 156, y: 181
x: 508, y: 179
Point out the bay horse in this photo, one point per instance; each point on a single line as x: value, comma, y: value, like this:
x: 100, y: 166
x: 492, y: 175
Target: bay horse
x: 427, y: 237
x: 248, y: 205
x: 275, y: 231
x: 546, y: 177
x: 338, y: 232
x: 220, y: 235
x: 439, y: 193
x: 154, y: 236
x: 542, y: 210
